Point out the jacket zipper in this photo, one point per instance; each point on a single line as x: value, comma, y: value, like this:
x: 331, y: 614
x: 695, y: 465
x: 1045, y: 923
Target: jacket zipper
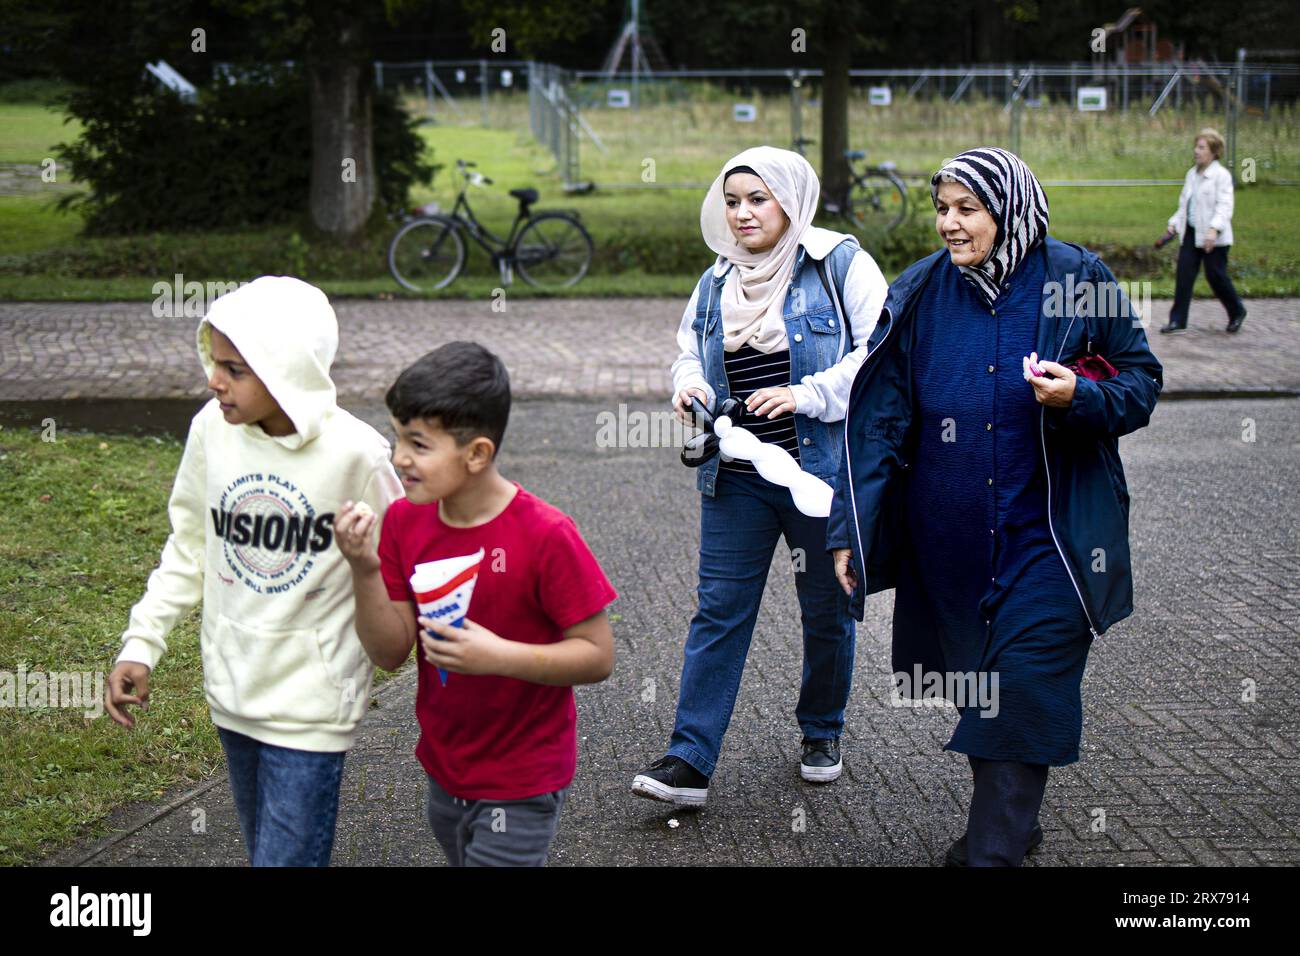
x: 1047, y: 468
x: 848, y: 463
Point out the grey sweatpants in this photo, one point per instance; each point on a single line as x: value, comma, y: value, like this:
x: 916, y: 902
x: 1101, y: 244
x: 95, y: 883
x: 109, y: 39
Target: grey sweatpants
x: 494, y: 832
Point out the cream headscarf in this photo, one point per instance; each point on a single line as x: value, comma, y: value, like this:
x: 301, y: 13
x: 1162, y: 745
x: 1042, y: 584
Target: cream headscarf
x: 754, y: 294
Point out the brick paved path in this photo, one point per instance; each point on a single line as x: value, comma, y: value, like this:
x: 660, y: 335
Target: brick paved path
x: 555, y: 347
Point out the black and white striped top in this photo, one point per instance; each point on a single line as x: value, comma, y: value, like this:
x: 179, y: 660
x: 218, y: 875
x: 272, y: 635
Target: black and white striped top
x: 748, y: 370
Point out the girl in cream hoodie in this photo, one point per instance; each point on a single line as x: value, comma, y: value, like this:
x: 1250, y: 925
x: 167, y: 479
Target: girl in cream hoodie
x: 268, y: 463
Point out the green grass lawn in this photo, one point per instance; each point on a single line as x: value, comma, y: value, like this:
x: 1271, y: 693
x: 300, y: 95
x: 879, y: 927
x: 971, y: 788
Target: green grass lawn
x: 647, y: 241
x: 82, y: 521
x: 31, y: 132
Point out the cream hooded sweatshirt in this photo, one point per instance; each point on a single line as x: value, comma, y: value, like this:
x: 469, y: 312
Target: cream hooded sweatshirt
x: 252, y: 533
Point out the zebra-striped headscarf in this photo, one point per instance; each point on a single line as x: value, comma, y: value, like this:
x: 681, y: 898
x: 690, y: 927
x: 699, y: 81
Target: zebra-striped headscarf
x: 1015, y: 200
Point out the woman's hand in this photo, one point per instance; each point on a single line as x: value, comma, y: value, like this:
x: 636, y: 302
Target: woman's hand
x: 843, y: 572
x: 1056, y: 392
x: 1210, y: 236
x: 771, y: 402
x: 681, y: 402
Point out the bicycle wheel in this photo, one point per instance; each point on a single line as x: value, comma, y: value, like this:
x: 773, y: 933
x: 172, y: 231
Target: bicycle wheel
x: 553, y: 251
x: 426, y: 253
x: 877, y: 201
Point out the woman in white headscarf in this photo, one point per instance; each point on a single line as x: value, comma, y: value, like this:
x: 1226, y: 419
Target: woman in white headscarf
x: 780, y: 322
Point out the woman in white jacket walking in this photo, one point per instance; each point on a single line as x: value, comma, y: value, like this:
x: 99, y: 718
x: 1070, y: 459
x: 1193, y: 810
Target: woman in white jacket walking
x: 1204, y: 224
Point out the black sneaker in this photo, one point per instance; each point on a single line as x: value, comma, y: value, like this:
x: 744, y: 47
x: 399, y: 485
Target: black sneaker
x: 1235, y: 324
x: 1172, y: 329
x: 956, y: 855
x: 821, y: 761
x: 672, y: 780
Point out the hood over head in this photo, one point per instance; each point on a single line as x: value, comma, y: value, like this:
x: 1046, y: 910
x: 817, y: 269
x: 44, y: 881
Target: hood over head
x: 287, y: 333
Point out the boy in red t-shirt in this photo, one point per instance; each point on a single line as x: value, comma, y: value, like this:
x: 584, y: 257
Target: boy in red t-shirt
x: 498, y: 738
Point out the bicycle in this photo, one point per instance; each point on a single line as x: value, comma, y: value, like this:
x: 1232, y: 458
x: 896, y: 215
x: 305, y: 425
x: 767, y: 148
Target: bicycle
x: 877, y: 195
x: 877, y: 198
x: 550, y: 250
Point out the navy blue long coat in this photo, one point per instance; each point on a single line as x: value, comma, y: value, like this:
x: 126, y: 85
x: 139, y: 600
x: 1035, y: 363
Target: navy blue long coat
x: 1088, y: 501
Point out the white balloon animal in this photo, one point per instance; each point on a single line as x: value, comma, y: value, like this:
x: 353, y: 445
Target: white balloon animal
x: 811, y: 495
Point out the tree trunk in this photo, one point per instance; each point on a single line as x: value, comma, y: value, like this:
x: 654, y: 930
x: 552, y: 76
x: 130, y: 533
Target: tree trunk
x: 988, y: 27
x: 343, y: 184
x: 837, y: 41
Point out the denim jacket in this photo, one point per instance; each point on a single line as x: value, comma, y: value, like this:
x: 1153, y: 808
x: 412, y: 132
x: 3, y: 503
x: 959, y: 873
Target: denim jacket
x: 817, y: 340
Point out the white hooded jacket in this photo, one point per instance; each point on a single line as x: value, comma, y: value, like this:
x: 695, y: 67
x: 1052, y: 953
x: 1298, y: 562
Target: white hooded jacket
x: 252, y: 533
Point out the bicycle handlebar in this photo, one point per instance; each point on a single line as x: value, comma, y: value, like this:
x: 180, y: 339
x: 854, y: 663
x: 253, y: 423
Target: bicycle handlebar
x: 477, y: 179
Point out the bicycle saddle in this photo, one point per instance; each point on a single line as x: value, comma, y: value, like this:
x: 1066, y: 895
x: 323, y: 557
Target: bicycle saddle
x: 855, y: 154
x: 525, y: 196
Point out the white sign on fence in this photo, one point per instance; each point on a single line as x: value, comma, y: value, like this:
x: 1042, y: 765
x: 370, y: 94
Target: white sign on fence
x: 507, y: 77
x: 1092, y: 98
x: 744, y: 112
x: 619, y: 99
x: 460, y: 76
x: 879, y: 96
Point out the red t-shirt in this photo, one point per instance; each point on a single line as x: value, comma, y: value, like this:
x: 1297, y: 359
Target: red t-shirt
x: 485, y: 737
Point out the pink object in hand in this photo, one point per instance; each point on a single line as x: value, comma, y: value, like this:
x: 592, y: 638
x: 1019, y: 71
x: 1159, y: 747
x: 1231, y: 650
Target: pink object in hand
x: 1036, y: 369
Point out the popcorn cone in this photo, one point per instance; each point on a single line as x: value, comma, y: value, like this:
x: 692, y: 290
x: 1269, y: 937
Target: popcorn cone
x: 443, y: 590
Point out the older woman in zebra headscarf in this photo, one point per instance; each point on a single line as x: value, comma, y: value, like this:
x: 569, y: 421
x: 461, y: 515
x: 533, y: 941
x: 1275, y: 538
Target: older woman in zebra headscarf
x: 984, y: 484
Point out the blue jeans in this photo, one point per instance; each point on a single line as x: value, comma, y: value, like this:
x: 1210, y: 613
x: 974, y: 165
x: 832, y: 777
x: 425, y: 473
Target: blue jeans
x: 287, y: 800
x: 739, y: 528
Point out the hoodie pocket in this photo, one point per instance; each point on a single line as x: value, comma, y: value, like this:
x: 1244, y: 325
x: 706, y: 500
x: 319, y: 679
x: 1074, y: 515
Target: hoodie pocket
x: 272, y: 674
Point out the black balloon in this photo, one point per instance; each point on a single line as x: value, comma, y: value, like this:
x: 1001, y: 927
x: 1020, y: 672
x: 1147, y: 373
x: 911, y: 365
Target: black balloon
x: 705, y: 445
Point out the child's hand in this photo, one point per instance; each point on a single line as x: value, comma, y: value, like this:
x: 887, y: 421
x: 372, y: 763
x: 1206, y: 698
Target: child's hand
x: 469, y: 649
x: 352, y: 530
x: 126, y: 676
